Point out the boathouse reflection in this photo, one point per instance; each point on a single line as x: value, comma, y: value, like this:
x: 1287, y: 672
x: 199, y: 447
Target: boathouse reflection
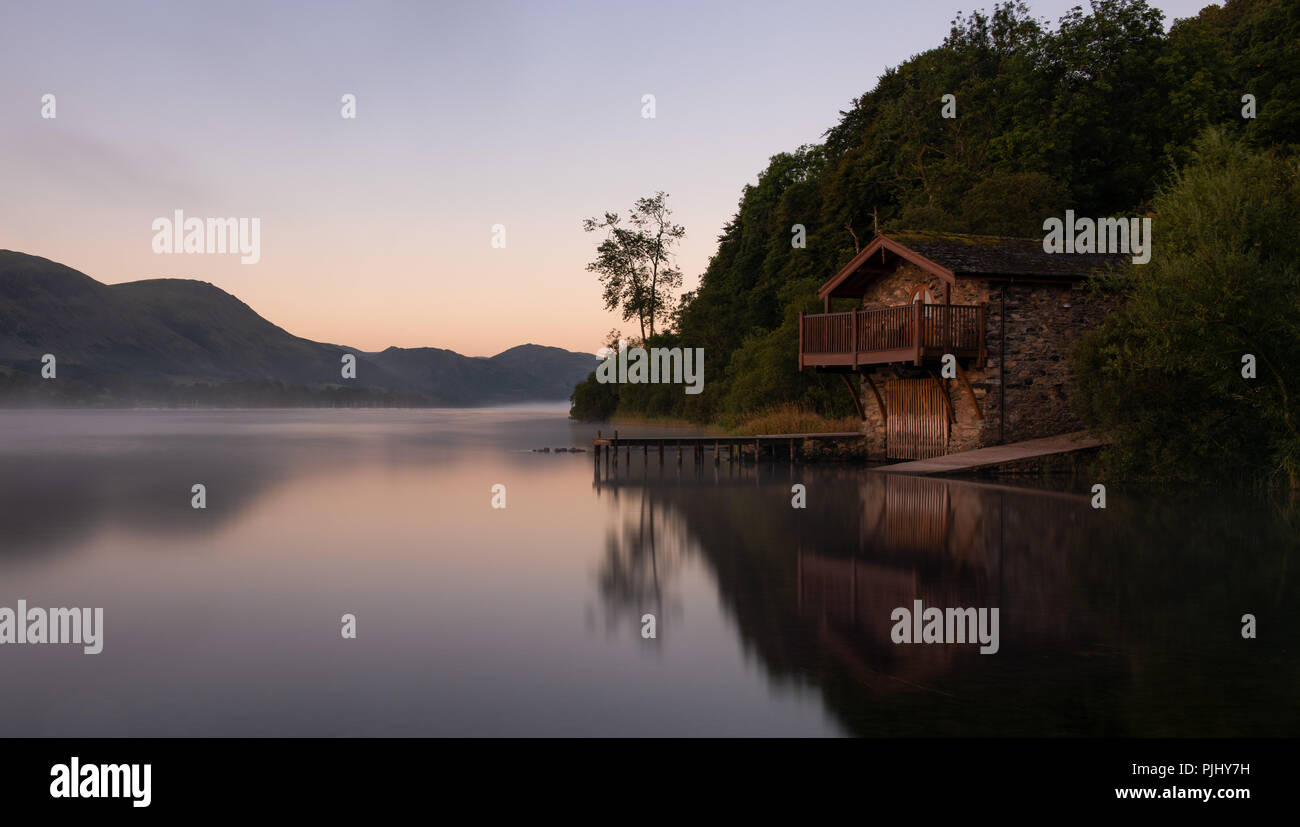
x: 813, y: 589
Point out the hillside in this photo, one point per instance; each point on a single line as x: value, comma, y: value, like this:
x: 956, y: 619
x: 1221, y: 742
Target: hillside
x: 178, y: 341
x: 1093, y: 114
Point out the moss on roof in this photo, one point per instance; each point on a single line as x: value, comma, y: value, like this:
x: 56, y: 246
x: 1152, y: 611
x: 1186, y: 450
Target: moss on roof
x: 922, y: 236
x: 1001, y: 256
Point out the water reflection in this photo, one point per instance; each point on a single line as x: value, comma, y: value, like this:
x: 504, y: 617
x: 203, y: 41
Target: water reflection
x: 637, y: 572
x: 771, y: 620
x: 471, y: 620
x: 1124, y: 621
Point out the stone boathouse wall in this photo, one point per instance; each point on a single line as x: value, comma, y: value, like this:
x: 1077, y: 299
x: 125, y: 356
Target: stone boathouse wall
x: 1031, y: 387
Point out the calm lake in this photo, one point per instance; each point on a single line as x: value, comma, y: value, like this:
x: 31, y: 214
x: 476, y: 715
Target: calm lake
x: 528, y: 620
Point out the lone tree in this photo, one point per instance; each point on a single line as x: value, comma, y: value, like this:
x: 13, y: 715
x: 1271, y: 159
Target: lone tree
x: 635, y: 261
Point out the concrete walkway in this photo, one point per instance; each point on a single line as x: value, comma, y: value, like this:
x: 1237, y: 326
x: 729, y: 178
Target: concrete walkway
x: 997, y: 455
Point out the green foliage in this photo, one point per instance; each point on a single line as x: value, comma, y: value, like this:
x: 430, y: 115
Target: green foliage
x: 593, y: 401
x: 1163, y: 376
x: 1090, y: 115
x: 987, y: 212
x: 1227, y: 51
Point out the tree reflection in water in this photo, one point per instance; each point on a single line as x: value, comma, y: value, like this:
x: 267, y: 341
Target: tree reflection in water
x: 1122, y: 621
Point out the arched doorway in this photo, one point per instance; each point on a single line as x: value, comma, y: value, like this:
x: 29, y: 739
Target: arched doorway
x: 922, y: 293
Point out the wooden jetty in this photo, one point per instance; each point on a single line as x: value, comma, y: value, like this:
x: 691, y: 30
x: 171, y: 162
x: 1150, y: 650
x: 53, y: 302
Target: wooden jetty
x: 738, y: 449
x: 995, y: 455
x: 735, y: 447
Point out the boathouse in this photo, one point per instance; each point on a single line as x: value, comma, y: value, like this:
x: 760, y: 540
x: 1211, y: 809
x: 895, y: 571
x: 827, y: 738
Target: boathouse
x: 1005, y: 310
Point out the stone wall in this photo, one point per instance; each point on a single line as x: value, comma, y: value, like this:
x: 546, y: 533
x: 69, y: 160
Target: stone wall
x: 1042, y: 322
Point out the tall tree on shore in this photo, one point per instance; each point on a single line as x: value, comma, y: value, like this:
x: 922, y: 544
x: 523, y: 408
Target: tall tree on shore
x: 635, y: 262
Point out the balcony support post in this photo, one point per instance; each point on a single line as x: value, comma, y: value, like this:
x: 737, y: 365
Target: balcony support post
x: 943, y: 391
x: 800, y: 340
x: 857, y: 400
x: 916, y: 332
x: 853, y: 335
x: 880, y: 403
x: 965, y: 381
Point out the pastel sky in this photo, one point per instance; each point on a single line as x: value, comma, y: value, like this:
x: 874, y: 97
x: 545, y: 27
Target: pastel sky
x: 377, y: 231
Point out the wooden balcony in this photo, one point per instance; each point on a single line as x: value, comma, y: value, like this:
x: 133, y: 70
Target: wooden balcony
x: 916, y: 334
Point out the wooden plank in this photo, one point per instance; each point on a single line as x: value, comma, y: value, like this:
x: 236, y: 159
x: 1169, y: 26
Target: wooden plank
x: 708, y: 439
x: 917, y: 424
x: 828, y: 359
x: 996, y: 455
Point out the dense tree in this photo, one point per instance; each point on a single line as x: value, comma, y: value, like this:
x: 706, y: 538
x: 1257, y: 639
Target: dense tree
x: 1198, y: 374
x: 1092, y: 114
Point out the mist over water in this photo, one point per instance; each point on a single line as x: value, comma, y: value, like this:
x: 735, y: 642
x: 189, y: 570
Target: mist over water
x: 527, y: 620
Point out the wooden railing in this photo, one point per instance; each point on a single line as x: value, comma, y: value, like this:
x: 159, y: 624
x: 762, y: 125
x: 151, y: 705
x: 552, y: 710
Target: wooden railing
x: 886, y: 328
x: 952, y: 328
x: 827, y: 333
x: 913, y: 333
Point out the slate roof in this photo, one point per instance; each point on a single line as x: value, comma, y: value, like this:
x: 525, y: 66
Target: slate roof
x: 982, y: 255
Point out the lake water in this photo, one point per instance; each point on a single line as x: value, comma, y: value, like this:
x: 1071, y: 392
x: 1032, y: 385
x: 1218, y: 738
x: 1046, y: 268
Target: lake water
x: 528, y: 620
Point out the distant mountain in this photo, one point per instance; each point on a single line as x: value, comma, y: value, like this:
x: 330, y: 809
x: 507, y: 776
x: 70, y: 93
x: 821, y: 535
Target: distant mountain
x: 548, y: 371
x: 182, y: 342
